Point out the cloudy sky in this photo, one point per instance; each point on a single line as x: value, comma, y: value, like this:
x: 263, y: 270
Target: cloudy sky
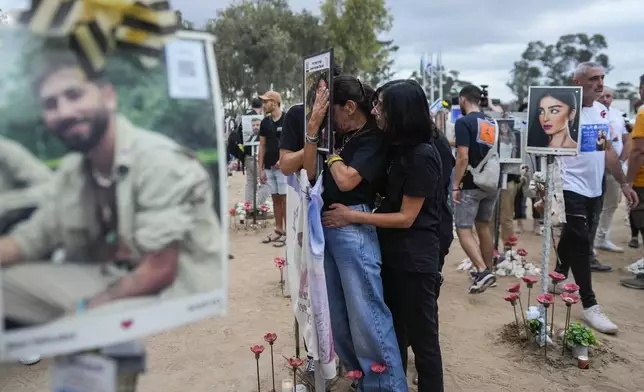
x: 482, y: 39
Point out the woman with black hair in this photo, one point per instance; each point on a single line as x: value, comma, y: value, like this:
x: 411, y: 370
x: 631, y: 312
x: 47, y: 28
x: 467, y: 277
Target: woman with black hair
x: 362, y: 325
x: 553, y: 120
x: 409, y: 224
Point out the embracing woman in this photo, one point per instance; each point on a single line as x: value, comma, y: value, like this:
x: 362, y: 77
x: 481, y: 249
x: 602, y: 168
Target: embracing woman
x: 409, y: 224
x: 362, y: 325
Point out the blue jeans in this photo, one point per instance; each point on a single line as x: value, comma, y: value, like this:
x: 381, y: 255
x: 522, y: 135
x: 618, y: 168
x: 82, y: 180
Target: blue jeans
x: 362, y: 325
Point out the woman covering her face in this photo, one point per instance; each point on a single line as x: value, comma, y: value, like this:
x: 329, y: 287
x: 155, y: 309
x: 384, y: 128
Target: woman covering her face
x: 362, y: 325
x: 409, y: 224
x: 553, y: 123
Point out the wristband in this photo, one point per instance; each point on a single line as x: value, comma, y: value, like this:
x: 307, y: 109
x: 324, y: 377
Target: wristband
x: 333, y: 160
x: 311, y: 139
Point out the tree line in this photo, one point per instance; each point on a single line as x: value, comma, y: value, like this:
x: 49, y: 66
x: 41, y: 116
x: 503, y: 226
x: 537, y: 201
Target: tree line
x: 553, y: 64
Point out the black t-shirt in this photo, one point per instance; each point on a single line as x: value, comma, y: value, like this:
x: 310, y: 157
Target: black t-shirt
x: 364, y: 150
x: 468, y: 134
x: 272, y: 131
x: 447, y: 161
x: 293, y: 129
x: 416, y: 172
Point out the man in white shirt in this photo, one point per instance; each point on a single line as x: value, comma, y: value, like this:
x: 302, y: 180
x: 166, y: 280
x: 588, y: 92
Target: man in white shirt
x: 621, y: 140
x: 582, y: 184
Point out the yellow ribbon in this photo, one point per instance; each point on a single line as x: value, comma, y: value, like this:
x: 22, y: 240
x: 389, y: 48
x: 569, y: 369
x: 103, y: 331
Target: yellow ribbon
x: 97, y: 27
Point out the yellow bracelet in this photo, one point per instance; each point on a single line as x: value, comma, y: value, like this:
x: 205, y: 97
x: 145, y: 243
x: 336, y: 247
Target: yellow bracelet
x: 333, y: 160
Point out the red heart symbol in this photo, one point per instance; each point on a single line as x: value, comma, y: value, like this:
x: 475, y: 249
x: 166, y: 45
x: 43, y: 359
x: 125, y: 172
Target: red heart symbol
x: 126, y: 324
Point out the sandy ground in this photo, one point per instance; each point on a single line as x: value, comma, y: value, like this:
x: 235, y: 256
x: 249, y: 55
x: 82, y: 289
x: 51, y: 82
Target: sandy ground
x: 214, y: 355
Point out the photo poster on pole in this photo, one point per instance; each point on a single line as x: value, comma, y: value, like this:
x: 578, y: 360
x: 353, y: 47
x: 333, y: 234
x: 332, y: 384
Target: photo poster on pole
x: 554, y: 123
x: 456, y: 113
x: 250, y: 130
x: 70, y: 290
x: 318, y: 75
x: 510, y: 141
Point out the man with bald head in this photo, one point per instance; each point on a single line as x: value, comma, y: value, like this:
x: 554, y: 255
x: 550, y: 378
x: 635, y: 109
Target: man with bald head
x: 621, y: 141
x: 582, y: 177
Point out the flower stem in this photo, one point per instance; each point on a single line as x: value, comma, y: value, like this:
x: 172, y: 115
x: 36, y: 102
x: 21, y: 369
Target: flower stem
x: 282, y: 280
x: 545, y: 333
x: 294, y: 379
x: 273, y: 367
x: 259, y: 388
x: 525, y: 324
x: 379, y: 387
x: 529, y: 290
x: 552, y: 320
x: 563, y: 348
x: 516, y: 318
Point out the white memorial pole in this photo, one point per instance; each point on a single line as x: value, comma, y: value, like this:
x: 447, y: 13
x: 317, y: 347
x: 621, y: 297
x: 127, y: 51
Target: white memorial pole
x: 547, y: 163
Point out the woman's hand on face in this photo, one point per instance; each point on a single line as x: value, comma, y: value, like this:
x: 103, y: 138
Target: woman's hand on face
x: 320, y: 108
x: 337, y: 216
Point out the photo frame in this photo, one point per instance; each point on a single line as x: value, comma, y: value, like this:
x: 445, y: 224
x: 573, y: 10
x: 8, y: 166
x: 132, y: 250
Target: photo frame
x: 250, y: 130
x: 554, y: 114
x: 154, y: 101
x: 318, y: 73
x: 510, y: 141
x: 455, y: 113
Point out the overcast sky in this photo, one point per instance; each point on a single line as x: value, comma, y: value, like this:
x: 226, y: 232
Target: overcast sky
x: 482, y: 39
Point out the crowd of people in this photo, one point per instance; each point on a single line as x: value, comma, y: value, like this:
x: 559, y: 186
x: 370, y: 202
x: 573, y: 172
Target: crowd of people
x: 396, y: 188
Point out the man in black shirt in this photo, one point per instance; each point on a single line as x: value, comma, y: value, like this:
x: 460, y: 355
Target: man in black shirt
x: 269, y: 169
x: 472, y: 205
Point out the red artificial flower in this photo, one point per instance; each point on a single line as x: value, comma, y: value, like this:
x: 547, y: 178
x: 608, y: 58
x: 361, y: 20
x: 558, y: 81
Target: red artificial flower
x: 295, y: 362
x: 512, y: 297
x: 257, y: 350
x: 513, y: 238
x: 522, y: 252
x: 247, y: 203
x: 570, y: 287
x: 354, y: 375
x: 508, y: 244
x: 279, y: 262
x: 270, y: 337
x: 232, y: 212
x: 570, y: 298
x: 546, y: 299
x: 378, y: 368
x: 495, y: 252
x: 556, y: 277
x: 514, y: 288
x: 529, y: 280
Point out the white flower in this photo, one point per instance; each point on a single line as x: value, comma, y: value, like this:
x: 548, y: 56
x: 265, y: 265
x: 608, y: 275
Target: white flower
x: 501, y: 272
x: 532, y: 313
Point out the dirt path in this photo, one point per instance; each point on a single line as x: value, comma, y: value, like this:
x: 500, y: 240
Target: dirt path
x: 214, y: 355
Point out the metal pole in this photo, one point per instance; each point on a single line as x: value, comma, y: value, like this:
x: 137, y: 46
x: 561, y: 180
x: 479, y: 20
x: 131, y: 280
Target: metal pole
x: 548, y: 163
x: 431, y: 77
x: 255, y: 188
x: 440, y: 75
x: 497, y: 209
x: 423, y: 70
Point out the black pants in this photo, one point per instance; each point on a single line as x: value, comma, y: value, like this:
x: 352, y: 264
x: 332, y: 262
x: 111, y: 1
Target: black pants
x: 634, y: 230
x: 411, y: 297
x: 575, y: 245
x: 519, y: 205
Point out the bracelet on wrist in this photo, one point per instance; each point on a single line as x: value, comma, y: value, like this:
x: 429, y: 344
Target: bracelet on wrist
x: 333, y: 160
x: 311, y: 139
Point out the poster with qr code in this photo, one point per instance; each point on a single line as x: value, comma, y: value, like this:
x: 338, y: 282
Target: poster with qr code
x: 187, y: 74
x: 85, y: 277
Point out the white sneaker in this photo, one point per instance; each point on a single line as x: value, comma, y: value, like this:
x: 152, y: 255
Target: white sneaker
x: 30, y: 360
x: 609, y: 246
x: 595, y: 318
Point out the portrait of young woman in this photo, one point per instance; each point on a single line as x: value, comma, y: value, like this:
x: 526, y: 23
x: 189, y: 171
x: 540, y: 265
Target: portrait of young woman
x: 553, y: 120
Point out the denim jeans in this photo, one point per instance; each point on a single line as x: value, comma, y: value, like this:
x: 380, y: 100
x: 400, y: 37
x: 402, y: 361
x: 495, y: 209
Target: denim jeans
x: 362, y: 325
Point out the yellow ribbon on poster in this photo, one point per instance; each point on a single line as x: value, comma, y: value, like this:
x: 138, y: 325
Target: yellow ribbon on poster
x: 97, y: 27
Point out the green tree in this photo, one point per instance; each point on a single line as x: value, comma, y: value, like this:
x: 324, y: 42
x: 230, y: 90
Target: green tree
x: 353, y: 28
x: 554, y: 64
x: 626, y: 90
x: 259, y: 44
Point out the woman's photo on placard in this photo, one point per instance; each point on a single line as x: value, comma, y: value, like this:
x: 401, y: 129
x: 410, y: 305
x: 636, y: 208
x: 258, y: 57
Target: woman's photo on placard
x: 553, y: 120
x: 509, y: 142
x: 317, y: 78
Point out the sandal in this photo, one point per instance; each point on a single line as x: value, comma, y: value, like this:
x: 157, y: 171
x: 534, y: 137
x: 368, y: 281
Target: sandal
x: 269, y: 238
x: 280, y: 242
